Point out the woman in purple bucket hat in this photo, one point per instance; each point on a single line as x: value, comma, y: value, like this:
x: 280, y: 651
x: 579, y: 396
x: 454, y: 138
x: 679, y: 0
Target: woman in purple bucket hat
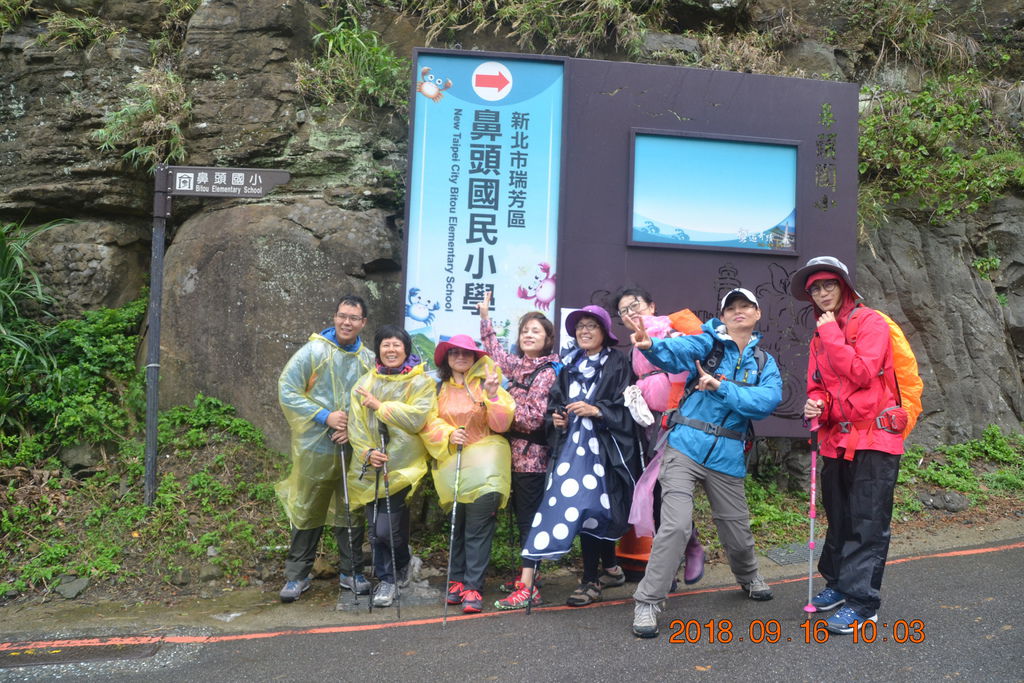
x: 594, y: 458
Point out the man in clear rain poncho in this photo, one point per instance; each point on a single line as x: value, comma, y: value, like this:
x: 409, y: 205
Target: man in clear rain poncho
x: 314, y: 390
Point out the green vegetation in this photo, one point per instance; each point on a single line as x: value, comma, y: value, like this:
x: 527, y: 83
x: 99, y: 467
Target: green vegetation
x: 352, y: 63
x: 150, y: 121
x: 172, y: 28
x: 76, y: 31
x: 986, y: 266
x: 556, y: 26
x: 940, y: 147
x: 980, y: 467
x: 12, y: 12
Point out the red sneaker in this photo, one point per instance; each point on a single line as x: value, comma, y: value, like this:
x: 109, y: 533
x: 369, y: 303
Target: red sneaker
x: 519, y: 597
x: 472, y: 602
x: 455, y: 591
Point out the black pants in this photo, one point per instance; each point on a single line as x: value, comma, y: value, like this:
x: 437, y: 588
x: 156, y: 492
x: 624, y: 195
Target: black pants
x: 474, y: 530
x: 527, y: 493
x: 302, y: 551
x: 857, y: 496
x: 384, y: 566
x: 595, y: 549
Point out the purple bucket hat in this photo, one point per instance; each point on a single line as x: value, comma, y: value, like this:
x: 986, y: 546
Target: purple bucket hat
x: 595, y: 312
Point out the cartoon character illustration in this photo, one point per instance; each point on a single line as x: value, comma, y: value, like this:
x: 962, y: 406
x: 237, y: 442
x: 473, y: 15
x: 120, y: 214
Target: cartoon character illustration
x: 431, y: 86
x: 542, y: 290
x: 420, y: 309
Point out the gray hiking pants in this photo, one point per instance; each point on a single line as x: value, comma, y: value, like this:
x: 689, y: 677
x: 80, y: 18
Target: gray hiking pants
x: 729, y: 510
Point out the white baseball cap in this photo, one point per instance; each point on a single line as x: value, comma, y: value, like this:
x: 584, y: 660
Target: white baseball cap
x: 733, y: 293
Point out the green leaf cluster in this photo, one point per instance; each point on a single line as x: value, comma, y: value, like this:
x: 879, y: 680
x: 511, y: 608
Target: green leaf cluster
x: 993, y: 462
x: 941, y: 147
x: 76, y: 31
x: 12, y: 12
x: 559, y: 26
x: 150, y: 121
x: 353, y: 63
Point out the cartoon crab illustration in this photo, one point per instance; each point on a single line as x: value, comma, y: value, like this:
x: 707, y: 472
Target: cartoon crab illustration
x: 541, y: 290
x: 420, y: 309
x: 431, y: 86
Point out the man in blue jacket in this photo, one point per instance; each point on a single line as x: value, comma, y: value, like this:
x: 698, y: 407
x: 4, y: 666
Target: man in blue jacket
x: 706, y: 445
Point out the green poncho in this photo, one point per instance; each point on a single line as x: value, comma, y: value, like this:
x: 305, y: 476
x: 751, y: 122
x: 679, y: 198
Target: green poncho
x: 319, y: 376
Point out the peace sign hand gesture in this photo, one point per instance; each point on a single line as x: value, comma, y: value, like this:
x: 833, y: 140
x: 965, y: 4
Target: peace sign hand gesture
x: 639, y: 338
x: 492, y: 382
x: 706, y: 382
x: 484, y: 307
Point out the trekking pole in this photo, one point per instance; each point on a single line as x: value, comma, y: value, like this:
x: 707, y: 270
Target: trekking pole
x: 384, y: 438
x: 451, y: 540
x: 373, y: 538
x: 812, y: 514
x: 348, y: 522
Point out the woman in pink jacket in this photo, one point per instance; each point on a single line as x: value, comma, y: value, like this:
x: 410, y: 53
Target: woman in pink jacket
x: 531, y: 373
x: 860, y: 436
x: 661, y: 392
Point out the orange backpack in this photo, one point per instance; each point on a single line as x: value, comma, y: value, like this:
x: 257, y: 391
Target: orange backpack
x: 687, y: 322
x: 901, y: 376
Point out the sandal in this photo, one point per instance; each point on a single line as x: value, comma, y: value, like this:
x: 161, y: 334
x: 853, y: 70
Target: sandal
x: 611, y: 579
x: 585, y: 594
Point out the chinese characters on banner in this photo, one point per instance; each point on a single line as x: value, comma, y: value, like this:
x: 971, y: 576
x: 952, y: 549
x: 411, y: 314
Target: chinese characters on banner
x: 483, y: 194
x: 825, y: 179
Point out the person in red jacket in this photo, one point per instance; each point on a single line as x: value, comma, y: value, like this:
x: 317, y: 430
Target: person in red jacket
x: 860, y: 427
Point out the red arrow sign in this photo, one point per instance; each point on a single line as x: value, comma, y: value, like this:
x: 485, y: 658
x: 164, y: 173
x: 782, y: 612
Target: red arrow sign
x: 497, y: 81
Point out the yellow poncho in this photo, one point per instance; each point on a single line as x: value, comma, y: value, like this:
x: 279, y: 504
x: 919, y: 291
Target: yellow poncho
x: 319, y: 376
x: 486, y: 458
x: 407, y: 401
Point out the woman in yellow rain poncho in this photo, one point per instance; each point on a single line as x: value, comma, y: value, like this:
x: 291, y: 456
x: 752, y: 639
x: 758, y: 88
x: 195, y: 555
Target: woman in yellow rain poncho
x: 398, y: 397
x: 471, y: 407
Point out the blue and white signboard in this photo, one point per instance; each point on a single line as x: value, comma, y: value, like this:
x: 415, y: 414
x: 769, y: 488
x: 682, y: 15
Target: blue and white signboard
x: 483, y: 193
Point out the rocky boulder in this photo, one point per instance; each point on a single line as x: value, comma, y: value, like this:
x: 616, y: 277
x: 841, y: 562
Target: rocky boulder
x: 921, y: 275
x: 246, y: 284
x: 91, y: 264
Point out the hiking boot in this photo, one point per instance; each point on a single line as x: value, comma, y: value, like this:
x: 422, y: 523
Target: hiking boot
x: 758, y: 589
x: 517, y: 599
x: 358, y: 583
x: 585, y: 594
x: 845, y: 619
x: 612, y: 577
x: 472, y: 602
x: 695, y: 558
x: 385, y: 594
x: 827, y: 599
x: 455, y: 591
x: 293, y: 589
x: 645, y: 619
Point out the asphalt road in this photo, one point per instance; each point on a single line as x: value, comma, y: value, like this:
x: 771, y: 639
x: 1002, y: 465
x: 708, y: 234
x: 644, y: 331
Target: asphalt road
x: 961, y: 608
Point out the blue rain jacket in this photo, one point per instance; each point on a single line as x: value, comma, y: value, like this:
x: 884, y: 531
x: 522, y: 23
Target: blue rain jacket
x: 732, y: 405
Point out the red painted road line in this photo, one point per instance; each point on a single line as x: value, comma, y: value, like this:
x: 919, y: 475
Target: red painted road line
x: 205, y: 640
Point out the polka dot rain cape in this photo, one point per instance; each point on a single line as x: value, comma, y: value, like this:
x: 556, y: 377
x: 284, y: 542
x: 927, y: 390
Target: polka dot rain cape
x: 576, y: 497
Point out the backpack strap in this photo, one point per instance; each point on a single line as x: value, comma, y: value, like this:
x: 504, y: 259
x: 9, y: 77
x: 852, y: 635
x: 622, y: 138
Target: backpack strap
x: 710, y: 363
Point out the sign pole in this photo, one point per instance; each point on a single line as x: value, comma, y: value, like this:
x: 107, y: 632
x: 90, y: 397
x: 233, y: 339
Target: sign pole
x: 161, y: 210
x: 195, y: 181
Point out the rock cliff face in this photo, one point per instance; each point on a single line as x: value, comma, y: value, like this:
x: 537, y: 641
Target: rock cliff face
x: 246, y: 282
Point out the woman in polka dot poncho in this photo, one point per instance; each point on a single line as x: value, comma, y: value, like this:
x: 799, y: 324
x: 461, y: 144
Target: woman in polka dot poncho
x: 595, y: 455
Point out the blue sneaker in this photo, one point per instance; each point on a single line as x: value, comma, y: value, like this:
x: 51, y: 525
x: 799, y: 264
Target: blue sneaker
x: 843, y: 620
x: 827, y: 599
x: 293, y: 589
x: 358, y: 584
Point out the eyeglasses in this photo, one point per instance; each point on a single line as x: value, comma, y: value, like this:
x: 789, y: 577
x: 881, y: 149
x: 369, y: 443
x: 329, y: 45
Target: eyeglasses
x: 587, y: 327
x: 348, y: 318
x: 828, y: 286
x: 634, y: 306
